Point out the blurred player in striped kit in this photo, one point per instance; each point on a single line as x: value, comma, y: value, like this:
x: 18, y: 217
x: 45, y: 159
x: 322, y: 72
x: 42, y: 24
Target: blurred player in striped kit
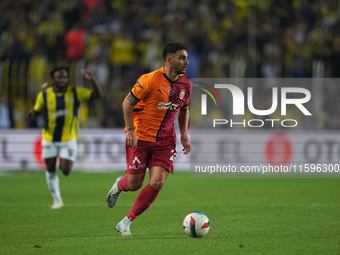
x: 59, y: 104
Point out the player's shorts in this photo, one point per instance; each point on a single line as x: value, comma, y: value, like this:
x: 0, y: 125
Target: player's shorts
x: 148, y: 154
x: 65, y: 150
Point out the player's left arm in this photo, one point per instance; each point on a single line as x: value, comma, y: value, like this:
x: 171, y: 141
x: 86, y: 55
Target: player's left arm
x: 96, y: 93
x: 183, y: 121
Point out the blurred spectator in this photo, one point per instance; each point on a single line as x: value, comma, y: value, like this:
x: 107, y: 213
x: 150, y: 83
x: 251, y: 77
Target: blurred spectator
x: 89, y: 6
x: 101, y: 69
x: 336, y: 57
x: 114, y: 115
x: 299, y: 65
x: 122, y: 53
x: 235, y: 38
x: 270, y: 68
x: 6, y: 116
x: 37, y: 71
x: 75, y: 42
x: 151, y: 51
x: 50, y: 30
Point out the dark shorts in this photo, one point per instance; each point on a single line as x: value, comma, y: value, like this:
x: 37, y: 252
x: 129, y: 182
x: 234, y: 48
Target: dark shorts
x: 148, y: 154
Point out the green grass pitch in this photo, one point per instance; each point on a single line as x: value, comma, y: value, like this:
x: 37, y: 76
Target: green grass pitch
x: 247, y: 216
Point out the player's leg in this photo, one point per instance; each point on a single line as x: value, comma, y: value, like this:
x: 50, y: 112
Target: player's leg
x: 158, y: 177
x: 65, y: 166
x: 131, y: 182
x: 50, y: 164
x: 126, y: 183
x: 144, y: 199
x: 68, y: 154
x: 49, y: 153
x: 160, y: 163
x: 136, y: 161
x: 150, y: 192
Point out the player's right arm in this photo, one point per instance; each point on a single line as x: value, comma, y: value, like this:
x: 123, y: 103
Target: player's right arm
x: 31, y: 114
x: 129, y: 104
x: 139, y: 92
x: 37, y: 109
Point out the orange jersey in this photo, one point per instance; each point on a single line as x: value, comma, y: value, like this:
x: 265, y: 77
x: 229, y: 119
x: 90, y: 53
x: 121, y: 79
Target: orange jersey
x: 159, y: 101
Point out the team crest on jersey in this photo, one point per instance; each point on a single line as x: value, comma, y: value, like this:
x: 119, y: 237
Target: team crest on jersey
x: 171, y: 91
x: 182, y: 94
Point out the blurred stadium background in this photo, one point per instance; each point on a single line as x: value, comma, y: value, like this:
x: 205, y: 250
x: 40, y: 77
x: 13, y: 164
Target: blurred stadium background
x: 120, y: 40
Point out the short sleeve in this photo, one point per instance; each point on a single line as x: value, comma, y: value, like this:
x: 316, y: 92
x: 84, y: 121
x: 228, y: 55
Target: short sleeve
x: 83, y: 94
x: 141, y: 89
x: 187, y: 99
x: 39, y: 103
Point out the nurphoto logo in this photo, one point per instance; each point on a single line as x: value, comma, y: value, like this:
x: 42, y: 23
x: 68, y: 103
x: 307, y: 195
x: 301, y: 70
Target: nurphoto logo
x: 281, y: 97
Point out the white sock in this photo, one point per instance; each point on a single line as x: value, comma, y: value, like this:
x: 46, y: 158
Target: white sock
x: 52, y: 180
x: 126, y: 220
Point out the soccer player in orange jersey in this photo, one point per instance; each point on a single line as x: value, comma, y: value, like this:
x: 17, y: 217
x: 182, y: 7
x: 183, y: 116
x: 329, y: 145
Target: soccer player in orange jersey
x: 150, y: 110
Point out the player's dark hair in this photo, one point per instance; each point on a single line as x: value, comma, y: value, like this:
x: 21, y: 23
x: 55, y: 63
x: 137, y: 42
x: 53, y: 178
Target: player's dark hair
x: 59, y: 68
x: 172, y: 48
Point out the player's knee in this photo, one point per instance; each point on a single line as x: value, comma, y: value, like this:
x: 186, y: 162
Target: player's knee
x: 135, y: 186
x: 157, y: 184
x: 65, y: 170
x: 65, y: 167
x: 50, y: 169
x: 135, y: 182
x: 66, y: 173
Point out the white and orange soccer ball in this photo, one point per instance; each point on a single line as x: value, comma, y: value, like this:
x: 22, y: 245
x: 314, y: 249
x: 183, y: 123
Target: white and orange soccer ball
x: 196, y: 224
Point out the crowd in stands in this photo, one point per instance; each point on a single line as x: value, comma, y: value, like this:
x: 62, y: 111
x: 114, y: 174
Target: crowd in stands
x: 121, y: 39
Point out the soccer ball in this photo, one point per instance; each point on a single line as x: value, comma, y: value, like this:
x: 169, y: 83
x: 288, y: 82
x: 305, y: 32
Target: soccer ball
x: 196, y: 224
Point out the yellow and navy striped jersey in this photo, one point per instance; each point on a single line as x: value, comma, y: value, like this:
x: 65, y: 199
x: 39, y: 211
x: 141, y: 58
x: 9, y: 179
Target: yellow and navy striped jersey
x: 61, y: 112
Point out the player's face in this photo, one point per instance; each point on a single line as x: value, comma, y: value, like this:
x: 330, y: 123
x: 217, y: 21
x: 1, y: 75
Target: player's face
x: 60, y: 79
x: 180, y: 62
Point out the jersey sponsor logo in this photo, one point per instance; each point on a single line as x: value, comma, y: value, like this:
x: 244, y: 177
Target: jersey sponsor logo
x: 135, y: 160
x: 60, y: 113
x: 170, y: 106
x: 138, y: 165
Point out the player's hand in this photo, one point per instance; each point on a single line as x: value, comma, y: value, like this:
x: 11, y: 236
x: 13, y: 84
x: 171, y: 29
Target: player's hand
x: 87, y: 74
x: 44, y: 85
x: 131, y: 139
x: 30, y: 115
x: 186, y: 144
